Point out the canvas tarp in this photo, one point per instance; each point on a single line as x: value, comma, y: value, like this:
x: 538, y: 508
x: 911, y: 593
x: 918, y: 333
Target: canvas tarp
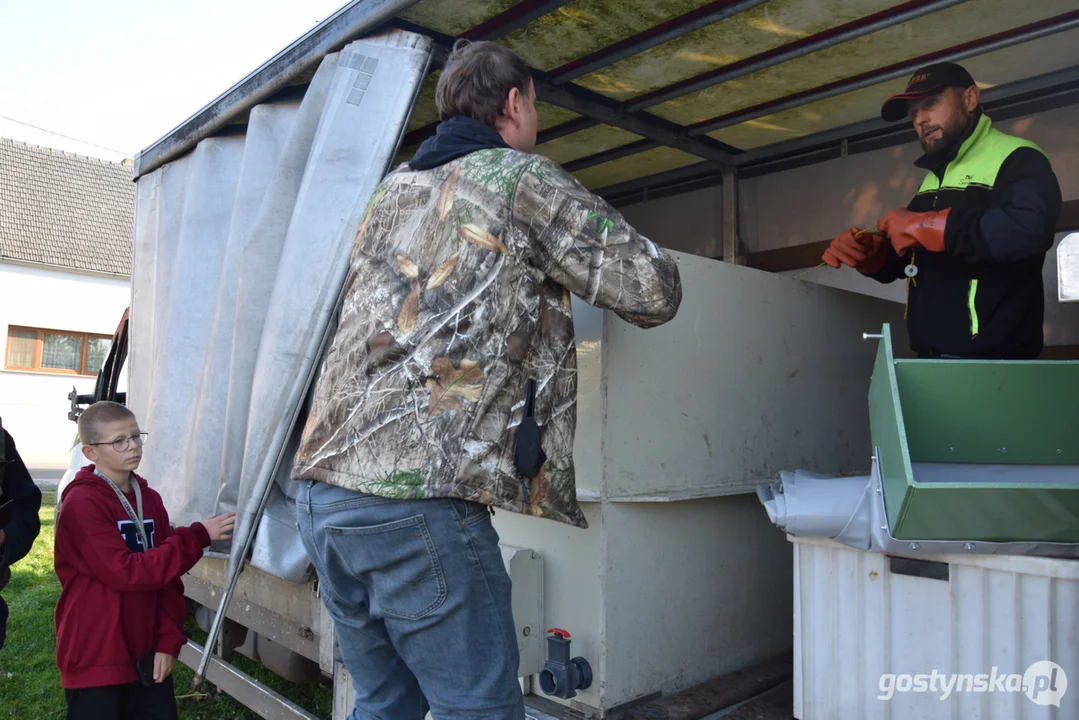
x: 241, y: 249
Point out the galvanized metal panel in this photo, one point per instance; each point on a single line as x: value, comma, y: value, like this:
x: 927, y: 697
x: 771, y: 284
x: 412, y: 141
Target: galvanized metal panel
x: 757, y: 374
x: 753, y: 32
x: 692, y: 590
x: 968, y: 21
x: 990, y: 69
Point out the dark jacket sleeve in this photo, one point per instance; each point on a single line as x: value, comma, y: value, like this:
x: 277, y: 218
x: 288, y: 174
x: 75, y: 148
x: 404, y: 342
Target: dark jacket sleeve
x: 892, y: 268
x: 19, y: 488
x: 1022, y: 217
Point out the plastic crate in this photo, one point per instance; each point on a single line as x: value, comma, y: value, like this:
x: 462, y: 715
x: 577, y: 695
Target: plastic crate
x: 859, y: 616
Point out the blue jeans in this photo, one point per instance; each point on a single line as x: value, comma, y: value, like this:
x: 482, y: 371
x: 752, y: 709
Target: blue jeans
x: 420, y: 600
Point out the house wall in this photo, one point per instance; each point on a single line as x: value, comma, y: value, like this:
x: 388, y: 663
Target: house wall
x: 34, y: 405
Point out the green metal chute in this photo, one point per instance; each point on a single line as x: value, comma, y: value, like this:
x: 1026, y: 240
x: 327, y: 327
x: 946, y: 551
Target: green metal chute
x: 968, y: 456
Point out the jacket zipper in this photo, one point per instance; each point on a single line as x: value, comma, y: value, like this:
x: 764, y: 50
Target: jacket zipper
x: 972, y: 294
x: 971, y: 297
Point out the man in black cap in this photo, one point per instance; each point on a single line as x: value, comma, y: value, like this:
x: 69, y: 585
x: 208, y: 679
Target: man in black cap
x: 973, y: 240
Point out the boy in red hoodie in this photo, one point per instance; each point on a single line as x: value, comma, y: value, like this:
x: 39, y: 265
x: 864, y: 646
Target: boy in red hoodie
x: 121, y: 598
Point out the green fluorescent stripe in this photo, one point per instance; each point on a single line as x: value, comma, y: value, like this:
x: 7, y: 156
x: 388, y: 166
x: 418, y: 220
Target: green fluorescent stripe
x: 973, y: 310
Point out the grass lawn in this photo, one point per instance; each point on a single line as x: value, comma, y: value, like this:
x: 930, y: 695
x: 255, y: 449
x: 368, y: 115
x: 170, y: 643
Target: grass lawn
x: 30, y: 683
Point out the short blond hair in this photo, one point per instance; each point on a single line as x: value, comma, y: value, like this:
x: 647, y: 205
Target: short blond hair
x: 93, y: 417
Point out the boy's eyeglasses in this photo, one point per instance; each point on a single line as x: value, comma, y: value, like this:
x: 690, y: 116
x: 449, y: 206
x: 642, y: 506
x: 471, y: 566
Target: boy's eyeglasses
x: 123, y: 444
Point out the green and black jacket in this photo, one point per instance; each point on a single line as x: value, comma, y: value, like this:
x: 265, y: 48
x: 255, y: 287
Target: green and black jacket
x: 983, y: 297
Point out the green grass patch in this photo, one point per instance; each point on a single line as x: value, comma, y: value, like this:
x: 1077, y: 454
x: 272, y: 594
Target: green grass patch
x: 30, y: 683
x: 29, y: 680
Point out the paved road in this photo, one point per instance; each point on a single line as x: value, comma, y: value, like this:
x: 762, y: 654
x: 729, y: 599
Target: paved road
x: 46, y: 479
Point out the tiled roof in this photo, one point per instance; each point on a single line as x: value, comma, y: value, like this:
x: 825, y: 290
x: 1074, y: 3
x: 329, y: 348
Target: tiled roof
x: 65, y: 210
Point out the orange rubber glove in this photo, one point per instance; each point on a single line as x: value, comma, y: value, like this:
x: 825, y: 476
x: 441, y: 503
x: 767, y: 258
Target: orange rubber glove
x: 865, y: 252
x: 905, y: 229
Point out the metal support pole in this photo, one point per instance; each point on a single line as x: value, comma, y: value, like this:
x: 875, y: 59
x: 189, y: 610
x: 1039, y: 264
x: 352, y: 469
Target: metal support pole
x: 246, y: 690
x: 730, y: 216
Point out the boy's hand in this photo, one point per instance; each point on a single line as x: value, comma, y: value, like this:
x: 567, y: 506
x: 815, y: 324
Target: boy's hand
x: 220, y: 526
x: 163, y: 665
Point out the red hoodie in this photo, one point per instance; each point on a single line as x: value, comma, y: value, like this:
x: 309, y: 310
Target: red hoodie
x: 117, y: 603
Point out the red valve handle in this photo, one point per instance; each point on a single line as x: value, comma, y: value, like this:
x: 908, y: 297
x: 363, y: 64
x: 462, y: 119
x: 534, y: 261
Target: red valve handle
x: 559, y: 632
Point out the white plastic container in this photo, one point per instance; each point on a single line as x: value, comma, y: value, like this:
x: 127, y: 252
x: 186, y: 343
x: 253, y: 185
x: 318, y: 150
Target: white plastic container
x: 868, y: 626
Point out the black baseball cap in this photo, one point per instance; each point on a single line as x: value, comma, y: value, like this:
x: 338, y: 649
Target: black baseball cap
x: 927, y: 81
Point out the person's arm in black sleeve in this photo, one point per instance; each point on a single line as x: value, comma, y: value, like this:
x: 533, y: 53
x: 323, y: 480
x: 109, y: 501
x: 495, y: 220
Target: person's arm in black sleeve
x: 18, y: 533
x: 1021, y: 220
x: 892, y: 269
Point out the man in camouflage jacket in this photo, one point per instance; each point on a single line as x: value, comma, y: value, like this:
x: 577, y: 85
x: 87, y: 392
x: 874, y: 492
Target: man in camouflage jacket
x: 456, y: 305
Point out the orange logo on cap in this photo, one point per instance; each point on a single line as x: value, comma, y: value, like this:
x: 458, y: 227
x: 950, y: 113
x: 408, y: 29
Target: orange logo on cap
x: 916, y: 79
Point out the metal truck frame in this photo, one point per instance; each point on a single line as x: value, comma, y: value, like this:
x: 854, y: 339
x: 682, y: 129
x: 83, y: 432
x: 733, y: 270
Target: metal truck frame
x: 624, y: 486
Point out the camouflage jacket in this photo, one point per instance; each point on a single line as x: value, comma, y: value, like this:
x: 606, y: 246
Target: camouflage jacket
x: 458, y: 294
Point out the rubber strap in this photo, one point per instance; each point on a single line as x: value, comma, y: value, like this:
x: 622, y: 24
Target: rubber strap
x: 136, y: 518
